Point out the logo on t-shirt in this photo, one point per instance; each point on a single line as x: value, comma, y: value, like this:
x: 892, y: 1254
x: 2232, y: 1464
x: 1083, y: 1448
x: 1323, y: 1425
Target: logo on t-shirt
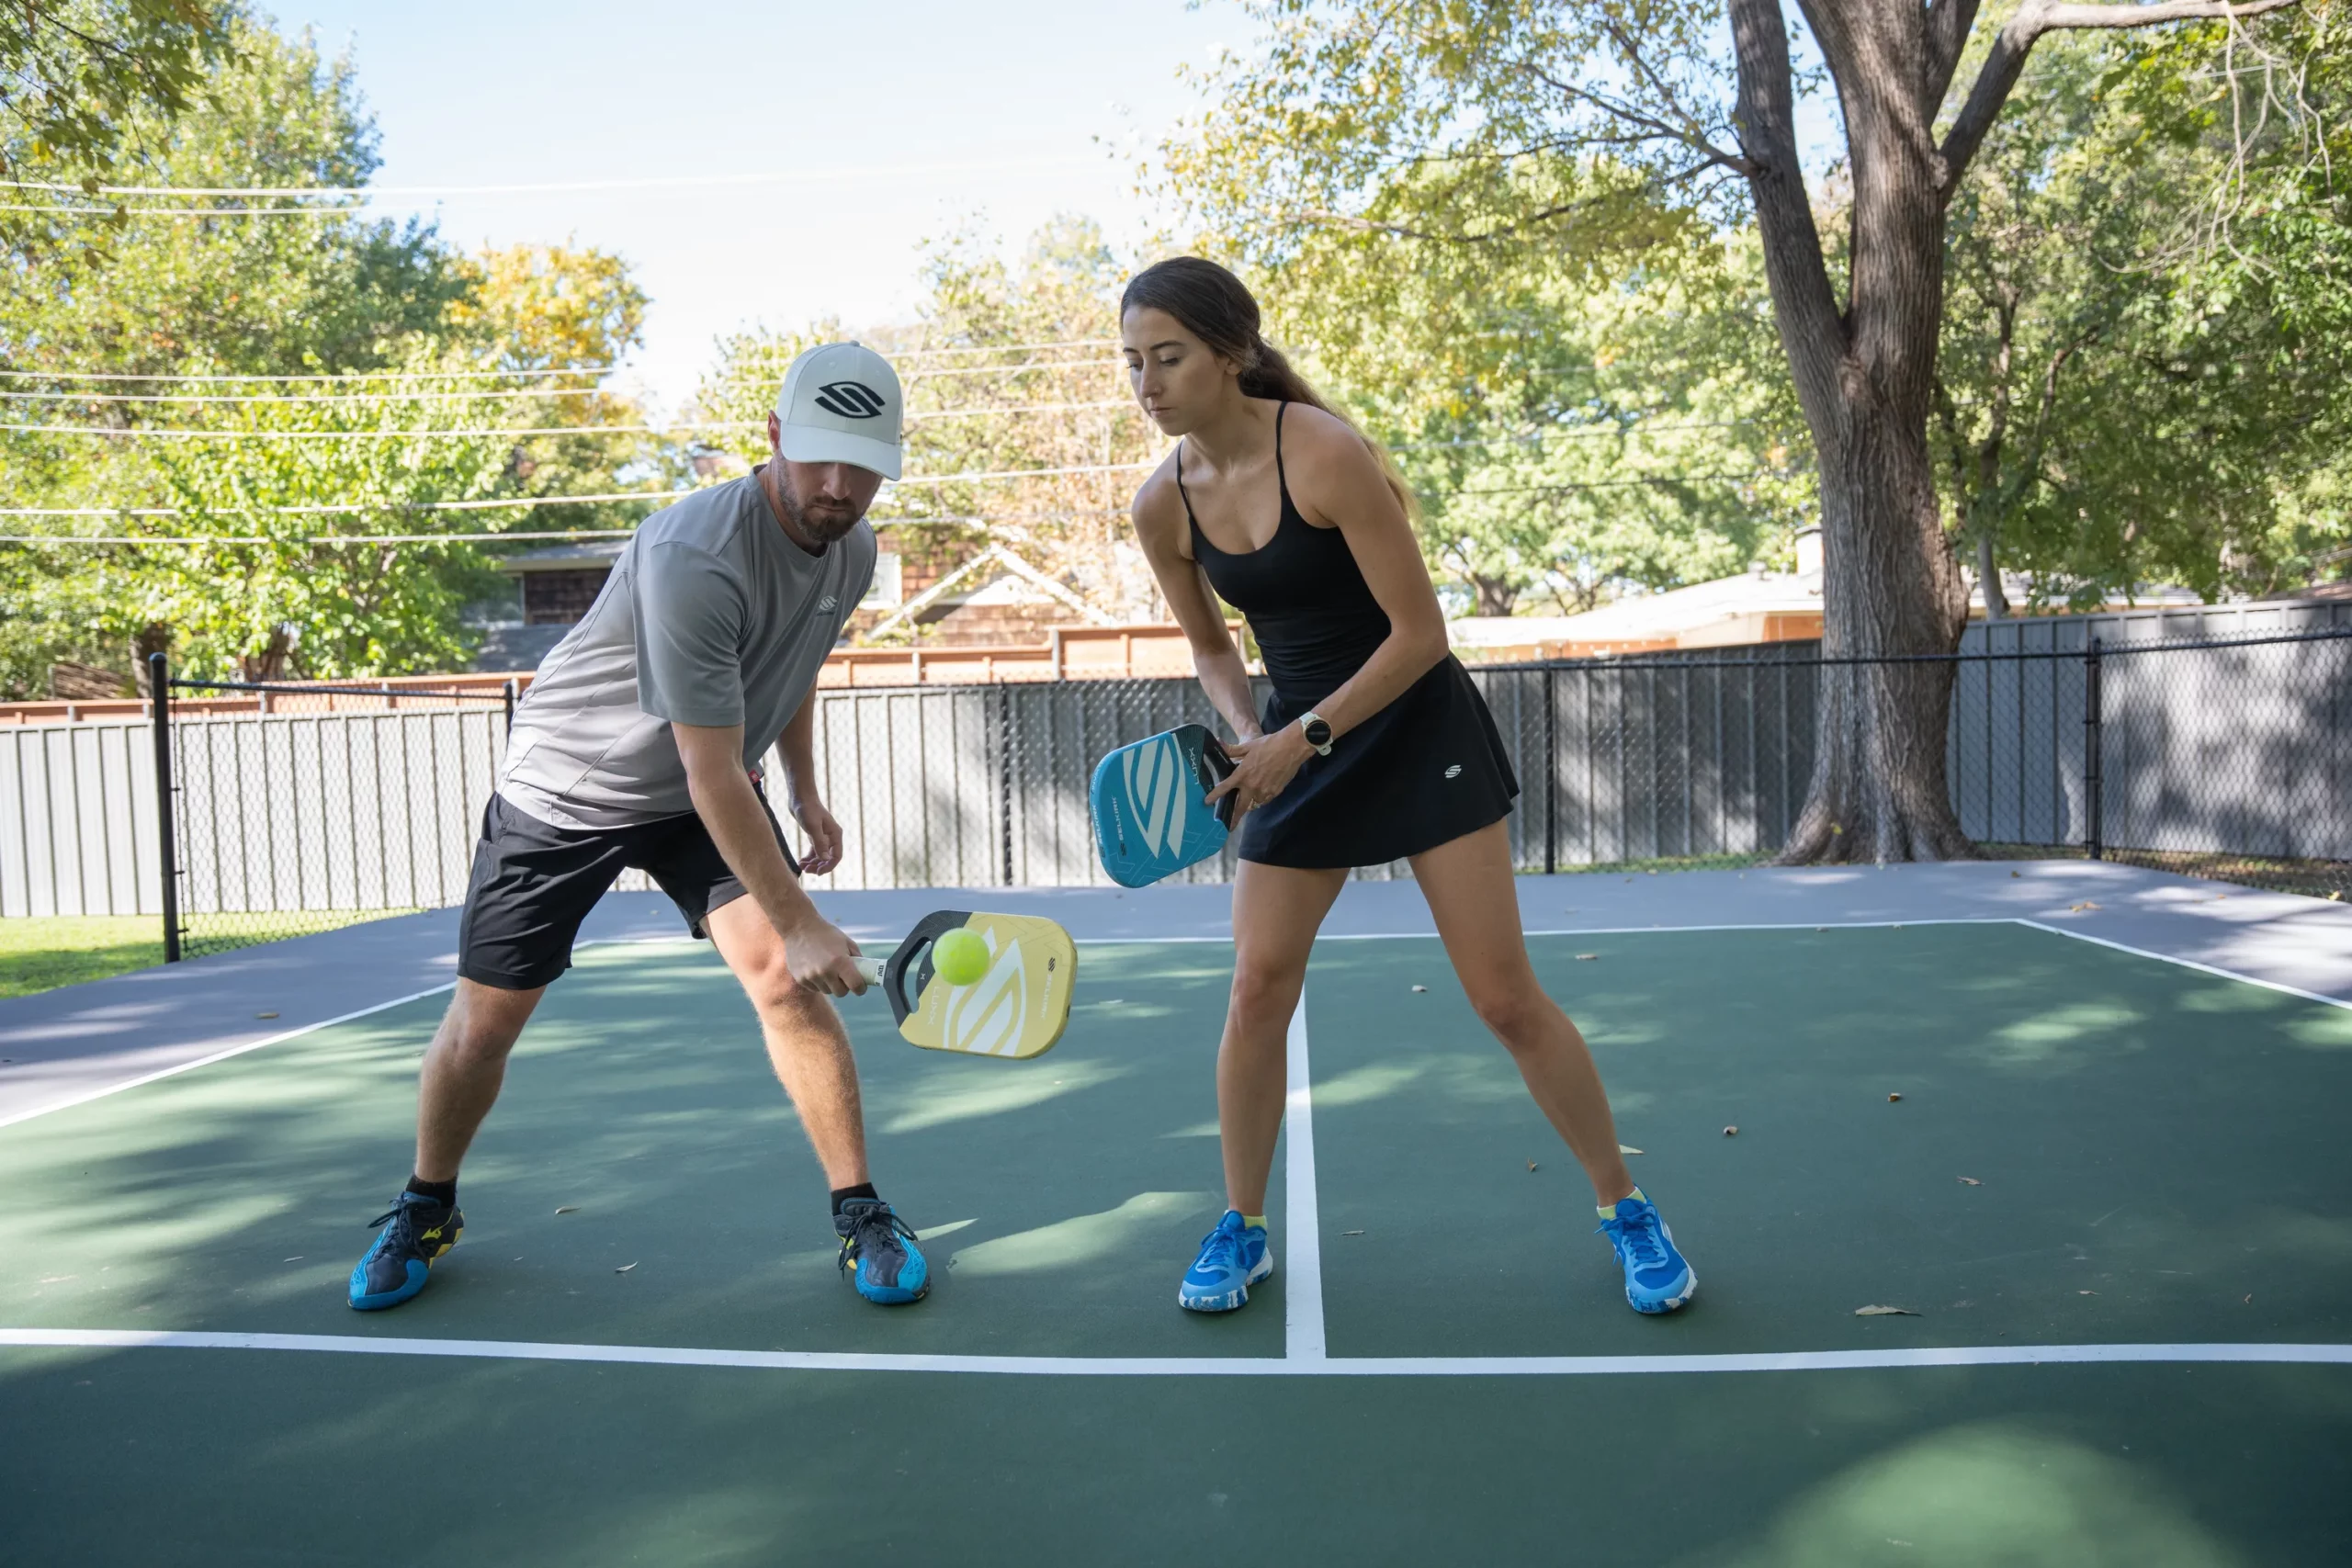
x: 1454, y: 771
x: 850, y: 400
x: 825, y: 605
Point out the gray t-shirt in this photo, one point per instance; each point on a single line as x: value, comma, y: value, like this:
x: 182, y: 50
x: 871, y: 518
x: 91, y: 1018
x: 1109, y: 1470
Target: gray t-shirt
x: 711, y: 616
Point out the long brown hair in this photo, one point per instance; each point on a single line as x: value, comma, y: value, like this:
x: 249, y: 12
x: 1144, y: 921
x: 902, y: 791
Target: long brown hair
x: 1217, y: 308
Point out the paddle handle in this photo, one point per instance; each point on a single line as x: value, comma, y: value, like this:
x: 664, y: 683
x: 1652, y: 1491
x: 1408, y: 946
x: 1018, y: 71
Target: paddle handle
x: 869, y: 968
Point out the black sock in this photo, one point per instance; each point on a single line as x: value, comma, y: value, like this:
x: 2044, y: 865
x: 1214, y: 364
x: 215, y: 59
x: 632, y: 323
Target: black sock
x: 442, y: 1192
x: 844, y: 1195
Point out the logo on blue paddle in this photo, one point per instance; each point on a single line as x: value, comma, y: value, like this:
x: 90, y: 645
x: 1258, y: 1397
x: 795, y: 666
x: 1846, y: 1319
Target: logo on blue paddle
x: 1150, y: 808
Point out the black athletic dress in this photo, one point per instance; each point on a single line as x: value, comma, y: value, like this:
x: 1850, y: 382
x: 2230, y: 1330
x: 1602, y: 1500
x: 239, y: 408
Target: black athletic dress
x: 1422, y: 771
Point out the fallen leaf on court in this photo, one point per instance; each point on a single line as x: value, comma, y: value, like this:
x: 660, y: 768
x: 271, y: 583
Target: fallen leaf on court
x: 1531, y: 1164
x: 1884, y: 1312
x: 265, y: 1015
x: 1627, y: 1149
x: 1418, y: 989
x: 1970, y: 1181
x: 1585, y: 957
x: 296, y: 1258
x: 2086, y: 1293
x: 2017, y: 874
x: 1731, y: 1132
x: 1351, y: 1233
x: 569, y: 1209
x: 1892, y: 1098
x: 623, y: 1268
x: 2249, y: 1298
x: 2079, y: 908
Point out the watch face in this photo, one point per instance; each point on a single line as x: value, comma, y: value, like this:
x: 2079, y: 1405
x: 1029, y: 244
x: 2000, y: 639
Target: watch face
x: 1317, y: 732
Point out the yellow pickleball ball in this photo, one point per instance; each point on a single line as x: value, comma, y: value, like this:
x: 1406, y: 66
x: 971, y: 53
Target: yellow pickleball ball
x: 959, y: 956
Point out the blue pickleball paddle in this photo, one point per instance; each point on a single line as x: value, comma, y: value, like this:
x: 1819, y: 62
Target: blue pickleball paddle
x: 1150, y: 808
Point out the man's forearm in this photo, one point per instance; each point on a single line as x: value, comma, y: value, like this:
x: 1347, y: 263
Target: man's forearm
x: 731, y: 809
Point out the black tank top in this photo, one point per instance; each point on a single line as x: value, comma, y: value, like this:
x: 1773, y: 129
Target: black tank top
x: 1307, y: 603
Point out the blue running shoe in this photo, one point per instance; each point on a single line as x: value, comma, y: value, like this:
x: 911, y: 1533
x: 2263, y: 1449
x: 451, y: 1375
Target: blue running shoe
x: 1657, y: 1279
x: 416, y: 1231
x: 1233, y: 1258
x: 880, y: 1246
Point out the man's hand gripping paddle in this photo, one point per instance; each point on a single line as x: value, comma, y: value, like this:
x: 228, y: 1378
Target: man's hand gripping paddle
x: 1015, y: 1003
x: 1150, y: 802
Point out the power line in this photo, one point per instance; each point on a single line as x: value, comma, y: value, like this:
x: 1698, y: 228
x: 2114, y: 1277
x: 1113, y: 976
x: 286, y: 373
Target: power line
x: 307, y: 539
x: 666, y: 182
x: 474, y: 393
x: 321, y: 376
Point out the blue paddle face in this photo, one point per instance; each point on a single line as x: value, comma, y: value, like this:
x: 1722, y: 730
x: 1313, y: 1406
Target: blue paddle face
x: 1150, y: 808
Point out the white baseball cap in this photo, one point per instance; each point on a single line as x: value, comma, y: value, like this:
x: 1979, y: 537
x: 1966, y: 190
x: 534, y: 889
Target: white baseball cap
x: 840, y: 403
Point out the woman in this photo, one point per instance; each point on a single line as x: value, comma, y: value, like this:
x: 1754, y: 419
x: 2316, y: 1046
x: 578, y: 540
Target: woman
x: 1374, y: 746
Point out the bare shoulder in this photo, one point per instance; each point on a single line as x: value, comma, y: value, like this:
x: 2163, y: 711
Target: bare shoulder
x: 1159, y: 508
x: 1327, y: 463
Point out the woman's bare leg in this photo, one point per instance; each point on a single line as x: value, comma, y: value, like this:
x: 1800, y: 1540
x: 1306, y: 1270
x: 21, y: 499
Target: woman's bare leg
x: 1276, y: 911
x: 1475, y: 899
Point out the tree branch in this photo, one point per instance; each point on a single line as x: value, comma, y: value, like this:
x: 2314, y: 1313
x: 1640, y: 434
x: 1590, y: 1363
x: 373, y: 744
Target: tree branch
x: 2015, y: 42
x: 1656, y: 129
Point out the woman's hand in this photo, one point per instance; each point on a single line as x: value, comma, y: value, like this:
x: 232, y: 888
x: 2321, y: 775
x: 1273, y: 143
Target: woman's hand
x: 1263, y: 767
x: 824, y: 835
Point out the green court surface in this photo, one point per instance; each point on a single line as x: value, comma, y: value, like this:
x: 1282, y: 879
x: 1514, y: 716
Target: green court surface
x: 670, y: 1371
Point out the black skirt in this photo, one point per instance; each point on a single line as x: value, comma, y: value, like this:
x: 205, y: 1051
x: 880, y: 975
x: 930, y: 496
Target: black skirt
x: 1424, y: 770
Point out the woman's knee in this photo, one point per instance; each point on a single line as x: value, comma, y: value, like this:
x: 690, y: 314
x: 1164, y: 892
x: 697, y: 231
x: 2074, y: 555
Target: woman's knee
x: 1514, y: 1008
x: 1265, y: 993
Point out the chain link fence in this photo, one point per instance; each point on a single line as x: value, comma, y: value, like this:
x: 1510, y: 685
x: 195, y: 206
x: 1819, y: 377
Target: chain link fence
x: 296, y: 808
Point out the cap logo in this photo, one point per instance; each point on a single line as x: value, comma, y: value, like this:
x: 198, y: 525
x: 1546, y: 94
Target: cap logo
x: 850, y: 400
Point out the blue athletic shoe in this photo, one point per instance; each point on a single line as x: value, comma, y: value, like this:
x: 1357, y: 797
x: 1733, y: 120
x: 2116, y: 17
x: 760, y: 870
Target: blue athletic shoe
x: 1657, y: 1279
x: 880, y: 1246
x: 1233, y: 1258
x: 416, y: 1231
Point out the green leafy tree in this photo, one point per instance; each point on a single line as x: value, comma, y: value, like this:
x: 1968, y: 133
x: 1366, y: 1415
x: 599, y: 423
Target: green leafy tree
x: 1418, y: 120
x: 2141, y: 376
x: 405, y: 342
x: 82, y: 86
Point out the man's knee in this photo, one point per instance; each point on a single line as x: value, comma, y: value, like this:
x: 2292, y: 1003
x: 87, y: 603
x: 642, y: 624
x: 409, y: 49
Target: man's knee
x: 484, y: 1022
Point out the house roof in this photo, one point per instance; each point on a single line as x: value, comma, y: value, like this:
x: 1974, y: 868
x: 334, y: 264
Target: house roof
x: 577, y: 556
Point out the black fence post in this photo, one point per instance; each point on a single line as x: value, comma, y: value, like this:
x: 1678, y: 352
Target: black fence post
x: 159, y: 692
x: 508, y: 691
x: 2094, y: 749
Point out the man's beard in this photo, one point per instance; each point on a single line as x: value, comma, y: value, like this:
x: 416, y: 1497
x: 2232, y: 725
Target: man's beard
x: 822, y: 525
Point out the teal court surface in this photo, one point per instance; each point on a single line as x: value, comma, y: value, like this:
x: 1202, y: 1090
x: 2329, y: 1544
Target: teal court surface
x: 2113, y: 1201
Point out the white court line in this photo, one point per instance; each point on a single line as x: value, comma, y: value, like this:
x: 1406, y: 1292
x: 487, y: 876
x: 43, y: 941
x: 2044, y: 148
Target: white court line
x: 88, y: 1095
x: 2189, y: 964
x: 1302, y: 1226
x: 2215, y: 970
x: 1188, y: 1366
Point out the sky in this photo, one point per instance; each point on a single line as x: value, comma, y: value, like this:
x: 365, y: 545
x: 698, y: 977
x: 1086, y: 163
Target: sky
x: 874, y: 127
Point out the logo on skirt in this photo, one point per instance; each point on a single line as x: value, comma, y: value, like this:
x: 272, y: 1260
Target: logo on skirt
x: 1454, y: 771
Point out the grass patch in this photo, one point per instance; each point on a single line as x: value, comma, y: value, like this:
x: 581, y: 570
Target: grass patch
x: 39, y: 955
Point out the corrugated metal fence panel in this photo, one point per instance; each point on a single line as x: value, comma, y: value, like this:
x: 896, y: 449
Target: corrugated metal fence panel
x: 2245, y: 749
x: 77, y: 820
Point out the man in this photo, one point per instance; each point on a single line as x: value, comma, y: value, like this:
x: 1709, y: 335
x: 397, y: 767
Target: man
x: 638, y: 746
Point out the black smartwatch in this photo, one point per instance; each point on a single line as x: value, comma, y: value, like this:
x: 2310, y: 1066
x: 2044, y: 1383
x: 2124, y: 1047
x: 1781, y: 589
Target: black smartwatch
x: 1318, y: 730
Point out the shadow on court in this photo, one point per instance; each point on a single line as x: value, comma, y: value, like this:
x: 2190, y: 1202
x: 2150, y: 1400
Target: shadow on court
x: 2151, y: 1144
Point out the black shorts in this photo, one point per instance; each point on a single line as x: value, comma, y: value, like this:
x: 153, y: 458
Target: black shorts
x: 534, y: 883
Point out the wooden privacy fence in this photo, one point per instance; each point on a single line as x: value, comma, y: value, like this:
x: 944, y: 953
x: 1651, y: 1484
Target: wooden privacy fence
x: 2235, y: 744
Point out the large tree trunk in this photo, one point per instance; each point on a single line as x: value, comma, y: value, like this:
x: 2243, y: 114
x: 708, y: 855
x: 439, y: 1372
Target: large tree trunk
x: 1864, y: 375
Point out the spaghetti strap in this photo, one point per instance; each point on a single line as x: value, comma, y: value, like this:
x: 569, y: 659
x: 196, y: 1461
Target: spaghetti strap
x: 1281, y: 478
x: 1187, y: 494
